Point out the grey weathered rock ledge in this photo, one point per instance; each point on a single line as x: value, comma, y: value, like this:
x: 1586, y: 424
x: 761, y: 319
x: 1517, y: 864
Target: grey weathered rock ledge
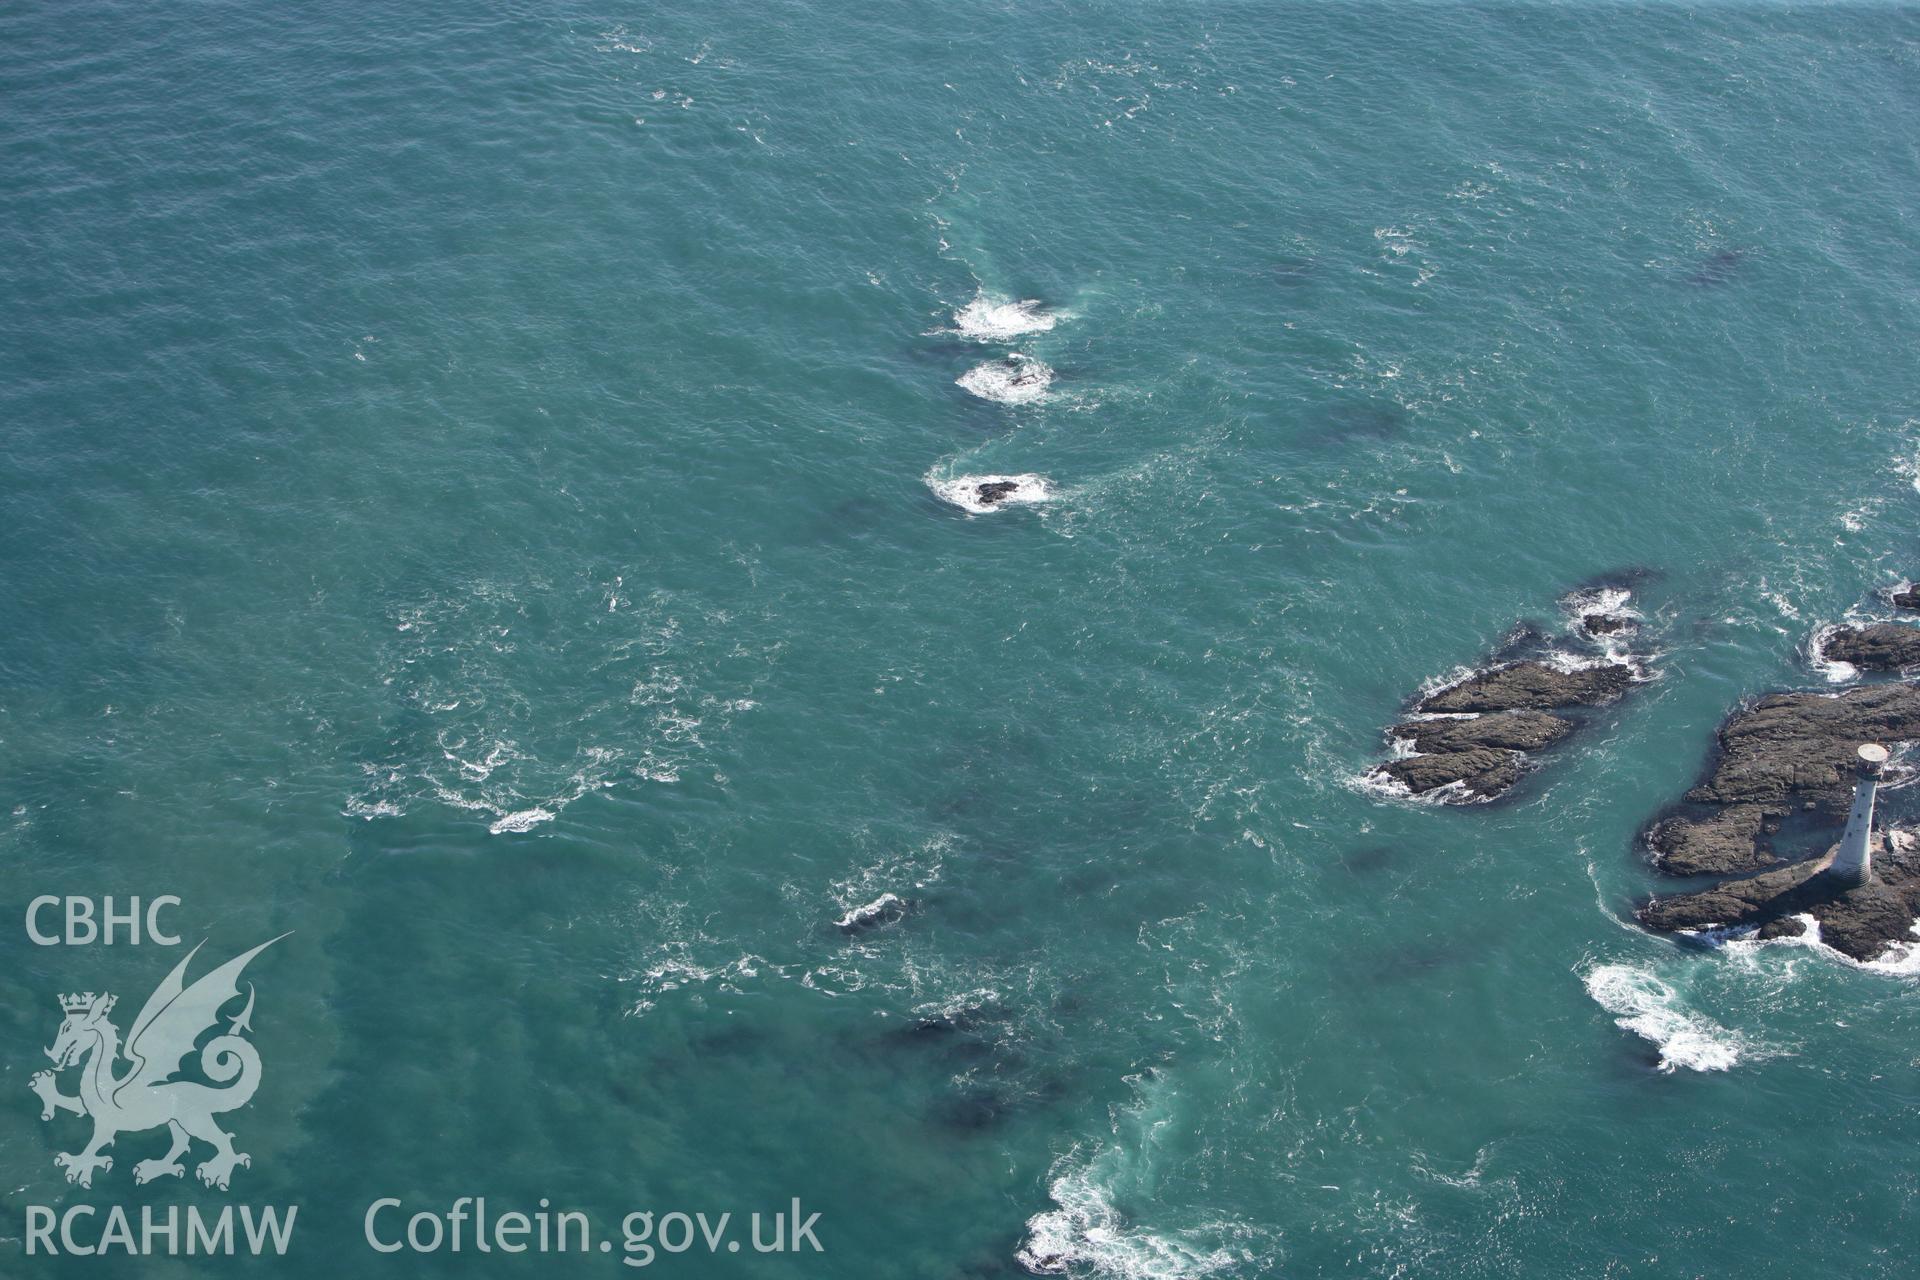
x: 1859, y: 922
x: 1876, y: 646
x: 1785, y: 754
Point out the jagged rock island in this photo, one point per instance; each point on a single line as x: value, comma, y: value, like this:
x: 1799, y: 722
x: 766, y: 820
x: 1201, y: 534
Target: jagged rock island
x: 1786, y: 767
x: 1857, y: 921
x: 1469, y: 741
x: 1787, y: 756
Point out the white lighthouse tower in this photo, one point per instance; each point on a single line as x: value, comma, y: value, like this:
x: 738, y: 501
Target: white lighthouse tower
x: 1853, y: 860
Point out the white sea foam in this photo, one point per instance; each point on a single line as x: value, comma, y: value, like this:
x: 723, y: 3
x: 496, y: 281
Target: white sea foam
x: 1085, y: 1235
x: 964, y: 491
x: 1018, y: 379
x: 875, y: 912
x: 1441, y: 683
x: 519, y: 820
x: 1094, y: 1229
x: 1908, y: 468
x: 1610, y: 602
x: 1836, y: 671
x: 1652, y: 1010
x: 1561, y: 660
x: 991, y: 319
x: 1900, y: 959
x: 464, y: 661
x: 1377, y: 782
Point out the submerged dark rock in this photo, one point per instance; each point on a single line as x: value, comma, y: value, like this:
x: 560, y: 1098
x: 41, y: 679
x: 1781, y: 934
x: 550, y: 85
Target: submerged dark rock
x: 1375, y: 420
x: 1716, y: 268
x: 1859, y: 922
x: 1533, y: 686
x: 1605, y: 624
x: 1878, y: 646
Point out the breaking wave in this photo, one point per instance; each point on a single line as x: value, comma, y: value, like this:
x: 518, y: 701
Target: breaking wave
x: 990, y: 319
x: 1835, y: 671
x: 1652, y: 1010
x: 1018, y: 379
x: 1089, y: 1231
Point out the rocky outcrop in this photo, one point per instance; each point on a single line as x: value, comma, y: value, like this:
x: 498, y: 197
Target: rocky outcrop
x: 992, y: 492
x: 1877, y: 646
x: 1860, y: 922
x: 1721, y: 843
x: 1469, y: 740
x: 1801, y: 744
x: 1785, y: 754
x: 1482, y: 772
x: 1509, y: 730
x: 1907, y: 596
x: 1533, y: 686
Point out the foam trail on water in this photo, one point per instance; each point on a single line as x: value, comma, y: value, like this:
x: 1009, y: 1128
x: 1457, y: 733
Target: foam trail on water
x: 1652, y: 1010
x: 1086, y: 1235
x: 991, y: 319
x: 1091, y: 1231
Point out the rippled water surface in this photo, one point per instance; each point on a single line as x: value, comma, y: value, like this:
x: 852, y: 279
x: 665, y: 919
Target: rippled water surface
x: 496, y: 492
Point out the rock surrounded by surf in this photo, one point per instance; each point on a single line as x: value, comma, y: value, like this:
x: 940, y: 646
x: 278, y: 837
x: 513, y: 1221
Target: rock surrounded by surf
x: 1860, y: 922
x: 1018, y: 379
x: 1471, y: 740
x: 980, y: 495
x: 1774, y: 798
x: 1871, y: 646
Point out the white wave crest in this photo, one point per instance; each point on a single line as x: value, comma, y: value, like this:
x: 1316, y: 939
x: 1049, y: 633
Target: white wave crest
x: 881, y: 909
x: 1606, y: 602
x: 972, y: 493
x: 1086, y: 1235
x: 1899, y: 959
x: 1381, y: 785
x: 1652, y: 1010
x: 1835, y: 671
x: 1609, y: 600
x: 991, y: 319
x: 1016, y: 380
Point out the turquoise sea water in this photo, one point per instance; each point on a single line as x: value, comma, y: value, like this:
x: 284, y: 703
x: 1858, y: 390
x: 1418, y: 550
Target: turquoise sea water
x: 470, y: 495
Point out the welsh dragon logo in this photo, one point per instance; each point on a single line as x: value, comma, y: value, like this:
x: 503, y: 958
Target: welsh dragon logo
x: 145, y: 1095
